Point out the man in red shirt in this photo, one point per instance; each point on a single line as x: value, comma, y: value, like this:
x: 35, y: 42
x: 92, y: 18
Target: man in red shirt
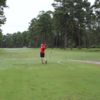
x: 42, y: 53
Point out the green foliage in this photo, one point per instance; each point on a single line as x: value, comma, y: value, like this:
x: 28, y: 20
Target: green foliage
x: 0, y: 39
x: 73, y: 24
x: 41, y: 28
x: 73, y: 17
x: 2, y: 17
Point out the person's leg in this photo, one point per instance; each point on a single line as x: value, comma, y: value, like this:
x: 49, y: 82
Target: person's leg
x: 41, y: 55
x: 45, y: 60
x: 42, y: 60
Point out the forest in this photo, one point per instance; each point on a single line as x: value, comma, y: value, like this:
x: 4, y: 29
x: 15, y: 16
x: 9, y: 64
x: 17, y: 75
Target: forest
x: 72, y: 24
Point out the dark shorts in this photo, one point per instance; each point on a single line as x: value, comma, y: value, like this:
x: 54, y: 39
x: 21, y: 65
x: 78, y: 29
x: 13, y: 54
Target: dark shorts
x: 42, y: 54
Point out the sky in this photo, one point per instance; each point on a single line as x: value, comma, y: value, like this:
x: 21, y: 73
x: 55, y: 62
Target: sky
x: 19, y: 13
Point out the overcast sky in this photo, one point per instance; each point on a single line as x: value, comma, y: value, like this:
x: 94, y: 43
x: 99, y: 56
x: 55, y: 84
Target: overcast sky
x: 20, y: 12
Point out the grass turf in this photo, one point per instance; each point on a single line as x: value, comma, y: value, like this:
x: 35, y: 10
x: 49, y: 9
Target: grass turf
x: 23, y: 77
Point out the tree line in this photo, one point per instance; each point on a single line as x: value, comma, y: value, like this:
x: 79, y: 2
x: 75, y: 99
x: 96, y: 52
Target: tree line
x: 72, y: 24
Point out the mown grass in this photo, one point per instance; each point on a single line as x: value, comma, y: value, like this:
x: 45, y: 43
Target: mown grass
x: 23, y: 77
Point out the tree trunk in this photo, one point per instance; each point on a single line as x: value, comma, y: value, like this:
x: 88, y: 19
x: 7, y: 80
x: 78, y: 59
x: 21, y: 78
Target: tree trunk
x: 65, y: 40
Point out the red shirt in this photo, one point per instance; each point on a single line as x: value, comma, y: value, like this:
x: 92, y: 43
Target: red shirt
x: 43, y: 47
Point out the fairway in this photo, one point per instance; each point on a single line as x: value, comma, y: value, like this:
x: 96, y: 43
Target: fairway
x: 65, y: 77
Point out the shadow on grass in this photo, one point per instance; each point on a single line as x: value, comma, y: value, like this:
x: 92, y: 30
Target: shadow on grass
x: 93, y: 50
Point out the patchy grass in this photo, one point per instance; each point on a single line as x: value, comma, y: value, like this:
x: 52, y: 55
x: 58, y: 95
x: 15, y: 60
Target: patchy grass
x: 23, y: 77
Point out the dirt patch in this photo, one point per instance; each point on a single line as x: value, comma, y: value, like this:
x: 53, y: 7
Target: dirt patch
x: 87, y: 61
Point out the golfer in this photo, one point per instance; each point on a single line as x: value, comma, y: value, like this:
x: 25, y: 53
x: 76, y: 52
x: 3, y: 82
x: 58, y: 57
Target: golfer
x: 42, y: 53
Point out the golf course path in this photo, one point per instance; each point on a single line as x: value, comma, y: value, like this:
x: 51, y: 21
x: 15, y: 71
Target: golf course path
x: 87, y: 61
